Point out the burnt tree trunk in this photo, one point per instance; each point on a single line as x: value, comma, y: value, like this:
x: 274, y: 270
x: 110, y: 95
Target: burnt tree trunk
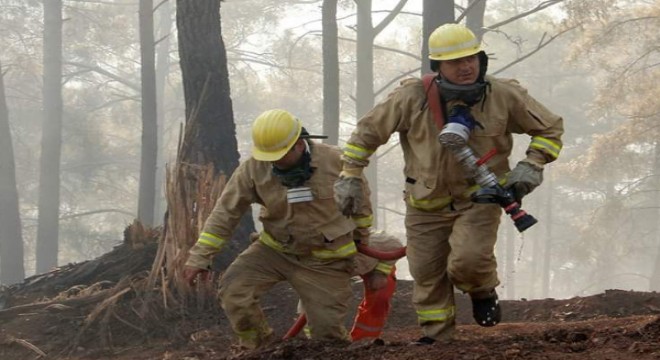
x: 330, y: 72
x: 51, y: 140
x: 210, y: 135
x: 12, y: 269
x: 147, y: 192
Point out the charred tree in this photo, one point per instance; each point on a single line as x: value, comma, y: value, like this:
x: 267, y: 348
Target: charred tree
x: 12, y: 269
x: 163, y: 43
x: 147, y: 190
x: 51, y: 140
x: 330, y: 72
x: 210, y: 132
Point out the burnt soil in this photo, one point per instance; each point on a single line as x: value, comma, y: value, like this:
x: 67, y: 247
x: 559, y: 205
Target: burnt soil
x: 96, y: 310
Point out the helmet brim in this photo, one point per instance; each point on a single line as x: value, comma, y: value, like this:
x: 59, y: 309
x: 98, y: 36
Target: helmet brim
x: 455, y: 55
x: 270, y: 156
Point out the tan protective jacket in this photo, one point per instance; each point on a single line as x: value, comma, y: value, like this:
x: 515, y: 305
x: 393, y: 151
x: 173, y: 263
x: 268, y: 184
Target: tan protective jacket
x: 432, y: 174
x: 314, y: 228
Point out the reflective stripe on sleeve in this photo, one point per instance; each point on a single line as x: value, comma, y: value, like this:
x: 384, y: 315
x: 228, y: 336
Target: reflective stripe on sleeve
x: 545, y: 145
x: 211, y: 240
x: 356, y: 152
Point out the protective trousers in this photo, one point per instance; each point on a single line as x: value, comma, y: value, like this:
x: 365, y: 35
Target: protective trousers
x: 323, y: 286
x: 448, y: 248
x: 373, y: 310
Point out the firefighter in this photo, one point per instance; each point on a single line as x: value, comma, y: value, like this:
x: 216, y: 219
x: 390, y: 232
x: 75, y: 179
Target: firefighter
x: 451, y: 239
x: 305, y: 240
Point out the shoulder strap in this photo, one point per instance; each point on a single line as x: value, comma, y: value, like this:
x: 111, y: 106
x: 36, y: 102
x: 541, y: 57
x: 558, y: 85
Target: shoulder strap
x: 433, y: 99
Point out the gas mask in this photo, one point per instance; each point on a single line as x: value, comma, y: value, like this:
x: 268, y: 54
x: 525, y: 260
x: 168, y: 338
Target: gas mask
x: 294, y: 178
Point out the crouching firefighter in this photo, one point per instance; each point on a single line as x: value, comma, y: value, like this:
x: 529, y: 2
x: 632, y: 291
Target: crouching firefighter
x: 451, y: 234
x: 305, y: 240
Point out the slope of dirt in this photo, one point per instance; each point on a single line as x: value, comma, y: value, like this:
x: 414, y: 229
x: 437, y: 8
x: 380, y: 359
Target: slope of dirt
x: 78, y: 312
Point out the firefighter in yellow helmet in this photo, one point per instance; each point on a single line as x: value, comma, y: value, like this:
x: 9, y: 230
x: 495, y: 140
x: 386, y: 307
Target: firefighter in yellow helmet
x: 304, y: 241
x: 451, y: 233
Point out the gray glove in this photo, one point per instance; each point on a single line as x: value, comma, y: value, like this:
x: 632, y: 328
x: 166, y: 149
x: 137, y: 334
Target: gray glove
x: 349, y: 194
x: 524, y: 178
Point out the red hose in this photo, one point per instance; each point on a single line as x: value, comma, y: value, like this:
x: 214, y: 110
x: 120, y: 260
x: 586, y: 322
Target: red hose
x: 382, y: 255
x: 297, y: 326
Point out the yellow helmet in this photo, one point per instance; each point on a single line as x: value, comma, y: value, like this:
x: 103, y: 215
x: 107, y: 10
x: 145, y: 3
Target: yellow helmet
x: 273, y: 133
x: 452, y: 41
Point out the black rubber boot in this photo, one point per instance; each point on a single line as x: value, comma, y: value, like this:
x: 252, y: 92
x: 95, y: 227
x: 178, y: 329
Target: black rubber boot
x: 486, y: 309
x: 424, y: 340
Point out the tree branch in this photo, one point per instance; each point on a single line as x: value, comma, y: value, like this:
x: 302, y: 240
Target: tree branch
x: 395, y: 79
x: 538, y: 8
x: 385, y: 48
x: 388, y: 19
x: 540, y: 46
x: 99, y: 211
x: 106, y: 73
x: 467, y: 10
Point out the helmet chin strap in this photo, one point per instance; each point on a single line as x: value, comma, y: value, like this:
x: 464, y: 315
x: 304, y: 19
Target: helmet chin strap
x: 469, y: 94
x: 298, y: 174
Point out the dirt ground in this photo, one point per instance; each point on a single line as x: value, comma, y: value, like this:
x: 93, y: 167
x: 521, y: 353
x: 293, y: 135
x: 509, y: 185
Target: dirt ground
x: 79, y: 312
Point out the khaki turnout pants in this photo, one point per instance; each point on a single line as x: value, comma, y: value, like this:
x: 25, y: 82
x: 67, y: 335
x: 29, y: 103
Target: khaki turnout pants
x: 323, y: 286
x: 450, y: 248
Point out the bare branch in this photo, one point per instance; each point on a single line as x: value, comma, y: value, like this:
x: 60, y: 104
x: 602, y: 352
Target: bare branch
x: 395, y: 79
x: 538, y: 8
x: 540, y: 46
x: 99, y: 211
x: 467, y: 10
x: 105, y: 2
x: 645, y: 54
x: 624, y: 22
x: 106, y: 73
x: 385, y: 48
x: 388, y: 19
x: 159, y: 5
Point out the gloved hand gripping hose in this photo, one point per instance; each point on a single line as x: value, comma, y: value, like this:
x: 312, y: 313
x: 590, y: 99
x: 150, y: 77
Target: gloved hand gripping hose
x: 454, y: 136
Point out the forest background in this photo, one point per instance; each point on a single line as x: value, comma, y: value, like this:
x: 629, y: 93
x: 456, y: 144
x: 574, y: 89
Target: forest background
x: 593, y: 62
